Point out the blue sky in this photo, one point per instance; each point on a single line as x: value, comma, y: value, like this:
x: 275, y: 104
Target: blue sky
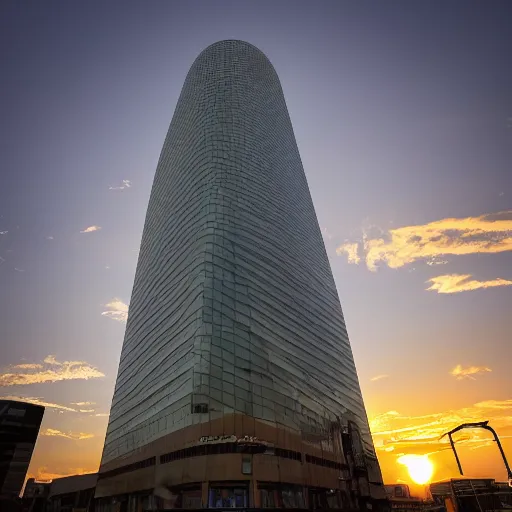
x: 403, y: 117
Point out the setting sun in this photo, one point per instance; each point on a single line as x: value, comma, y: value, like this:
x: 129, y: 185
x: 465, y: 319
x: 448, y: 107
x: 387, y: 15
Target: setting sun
x: 420, y: 467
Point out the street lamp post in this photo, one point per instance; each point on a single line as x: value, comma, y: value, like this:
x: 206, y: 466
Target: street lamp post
x: 484, y: 425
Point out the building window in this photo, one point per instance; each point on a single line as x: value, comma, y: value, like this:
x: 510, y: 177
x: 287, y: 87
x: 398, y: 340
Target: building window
x: 228, y: 497
x: 323, y: 499
x: 200, y: 409
x: 246, y: 465
x: 277, y: 496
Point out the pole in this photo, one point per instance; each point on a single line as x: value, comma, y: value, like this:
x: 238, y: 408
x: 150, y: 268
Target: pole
x: 455, y: 453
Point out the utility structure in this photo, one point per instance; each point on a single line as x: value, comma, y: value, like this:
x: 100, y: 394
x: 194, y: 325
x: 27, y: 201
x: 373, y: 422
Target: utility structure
x: 484, y: 425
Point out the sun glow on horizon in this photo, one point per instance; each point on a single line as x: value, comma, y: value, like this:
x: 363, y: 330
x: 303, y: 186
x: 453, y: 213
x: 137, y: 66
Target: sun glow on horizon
x: 420, y: 467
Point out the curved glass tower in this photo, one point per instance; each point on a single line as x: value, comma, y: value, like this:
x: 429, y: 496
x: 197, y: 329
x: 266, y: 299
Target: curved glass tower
x: 236, y: 365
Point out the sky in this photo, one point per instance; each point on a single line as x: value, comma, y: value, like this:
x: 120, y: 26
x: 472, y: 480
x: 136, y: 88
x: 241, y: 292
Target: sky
x: 402, y: 112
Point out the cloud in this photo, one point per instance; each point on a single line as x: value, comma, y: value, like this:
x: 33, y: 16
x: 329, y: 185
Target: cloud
x: 326, y: 234
x: 27, y: 366
x: 379, y: 377
x: 467, y: 373
x: 4, y: 232
x: 434, y: 261
x: 487, y: 234
x: 351, y: 250
x: 83, y: 403
x: 43, y: 473
x: 38, y: 401
x: 54, y: 371
x: 116, y: 310
x: 101, y: 414
x: 495, y: 404
x: 125, y: 184
x: 392, y: 431
x: 49, y: 238
x: 91, y: 229
x: 79, y: 436
x: 455, y: 283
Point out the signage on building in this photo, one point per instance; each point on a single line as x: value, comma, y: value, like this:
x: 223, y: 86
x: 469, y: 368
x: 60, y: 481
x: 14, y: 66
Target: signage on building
x: 230, y: 439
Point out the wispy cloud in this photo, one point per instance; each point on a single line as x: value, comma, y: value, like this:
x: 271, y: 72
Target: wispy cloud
x: 326, y: 234
x: 495, y: 404
x: 491, y: 233
x: 38, y: 401
x: 379, y: 377
x: 44, y: 473
x: 125, y: 184
x: 101, y: 414
x: 49, y: 238
x: 27, y: 366
x: 116, y: 310
x: 421, y: 434
x: 4, y: 232
x: 435, y: 261
x: 79, y: 436
x: 82, y: 404
x: 54, y: 371
x: 469, y: 372
x: 456, y: 283
x: 91, y: 229
x: 351, y: 250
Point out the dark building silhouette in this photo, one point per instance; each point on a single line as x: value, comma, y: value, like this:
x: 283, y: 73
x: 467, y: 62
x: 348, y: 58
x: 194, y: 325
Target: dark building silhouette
x: 236, y: 384
x: 19, y: 427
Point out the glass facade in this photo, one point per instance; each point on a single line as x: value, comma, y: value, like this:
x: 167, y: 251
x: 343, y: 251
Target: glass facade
x: 234, y: 310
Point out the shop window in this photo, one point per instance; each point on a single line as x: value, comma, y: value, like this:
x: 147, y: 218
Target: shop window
x: 191, y: 499
x: 275, y: 496
x: 228, y: 497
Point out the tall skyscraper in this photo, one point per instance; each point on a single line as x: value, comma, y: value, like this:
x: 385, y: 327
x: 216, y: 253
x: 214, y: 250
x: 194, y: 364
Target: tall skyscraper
x: 236, y: 384
x: 19, y: 427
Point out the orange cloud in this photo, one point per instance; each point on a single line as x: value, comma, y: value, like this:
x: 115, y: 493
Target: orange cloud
x: 422, y: 433
x: 351, y: 250
x: 455, y: 283
x: 54, y: 372
x: 467, y: 373
x: 27, y: 366
x: 396, y: 434
x: 43, y: 473
x: 116, y: 310
x: 38, y: 401
x: 379, y: 377
x: 491, y: 233
x: 51, y: 432
x: 495, y: 404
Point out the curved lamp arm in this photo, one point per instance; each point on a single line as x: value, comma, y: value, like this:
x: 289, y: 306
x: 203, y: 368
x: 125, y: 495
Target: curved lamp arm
x: 484, y: 425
